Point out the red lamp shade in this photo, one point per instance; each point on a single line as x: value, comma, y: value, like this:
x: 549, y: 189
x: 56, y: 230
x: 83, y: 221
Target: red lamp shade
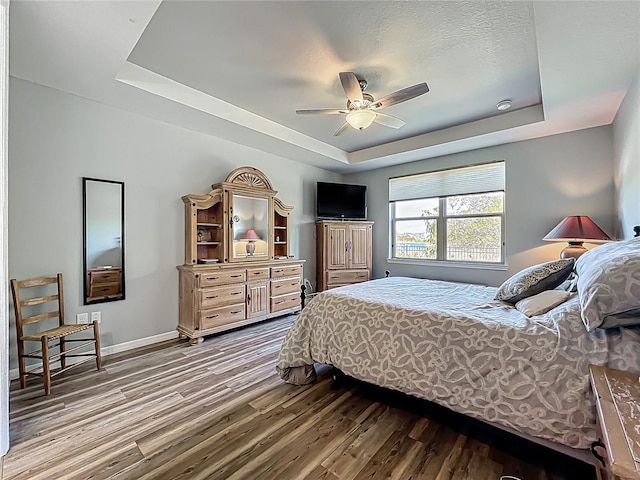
x: 576, y: 230
x: 250, y: 235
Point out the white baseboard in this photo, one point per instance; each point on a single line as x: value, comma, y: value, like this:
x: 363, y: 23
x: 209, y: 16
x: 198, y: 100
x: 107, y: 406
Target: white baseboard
x: 120, y: 347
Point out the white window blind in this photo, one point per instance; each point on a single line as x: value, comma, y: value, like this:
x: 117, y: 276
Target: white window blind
x: 458, y: 181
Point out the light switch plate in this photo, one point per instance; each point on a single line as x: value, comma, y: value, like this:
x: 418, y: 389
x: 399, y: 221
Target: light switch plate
x: 96, y: 316
x: 82, y: 318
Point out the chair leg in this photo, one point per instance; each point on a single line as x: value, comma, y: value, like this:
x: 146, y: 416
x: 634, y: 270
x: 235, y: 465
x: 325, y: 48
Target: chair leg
x: 21, y: 364
x: 46, y: 373
x: 63, y: 358
x: 96, y: 336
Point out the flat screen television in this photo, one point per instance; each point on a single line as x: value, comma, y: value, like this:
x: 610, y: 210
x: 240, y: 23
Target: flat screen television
x: 340, y: 200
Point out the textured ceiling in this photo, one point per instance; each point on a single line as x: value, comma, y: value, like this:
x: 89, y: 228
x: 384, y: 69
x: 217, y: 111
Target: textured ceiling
x: 239, y: 70
x: 272, y: 58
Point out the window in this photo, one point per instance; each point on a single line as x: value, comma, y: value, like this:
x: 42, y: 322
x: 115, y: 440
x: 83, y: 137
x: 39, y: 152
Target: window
x: 451, y: 215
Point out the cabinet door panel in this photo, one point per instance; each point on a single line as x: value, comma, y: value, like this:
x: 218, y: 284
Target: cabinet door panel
x: 257, y: 299
x: 359, y: 246
x: 337, y: 247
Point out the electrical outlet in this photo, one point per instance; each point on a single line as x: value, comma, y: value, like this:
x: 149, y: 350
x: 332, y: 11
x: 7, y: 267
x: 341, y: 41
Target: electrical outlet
x: 96, y: 317
x: 82, y: 318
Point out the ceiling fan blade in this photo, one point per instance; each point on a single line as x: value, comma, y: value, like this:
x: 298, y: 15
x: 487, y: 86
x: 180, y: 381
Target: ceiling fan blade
x: 321, y: 111
x: 341, y: 130
x: 401, y: 95
x: 388, y: 120
x: 351, y: 86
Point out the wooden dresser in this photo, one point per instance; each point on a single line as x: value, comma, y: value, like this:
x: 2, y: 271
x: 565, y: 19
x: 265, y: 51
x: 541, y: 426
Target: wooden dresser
x: 343, y: 253
x: 214, y: 299
x: 617, y: 396
x: 104, y: 283
x: 237, y: 266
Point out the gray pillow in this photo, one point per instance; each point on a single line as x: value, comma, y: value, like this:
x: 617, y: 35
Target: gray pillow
x: 534, y: 280
x: 609, y: 284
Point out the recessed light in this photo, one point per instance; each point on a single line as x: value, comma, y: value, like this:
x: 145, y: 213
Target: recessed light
x: 504, y: 105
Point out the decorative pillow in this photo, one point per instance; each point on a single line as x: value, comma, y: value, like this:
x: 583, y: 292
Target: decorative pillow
x: 534, y: 280
x: 609, y: 283
x: 542, y: 302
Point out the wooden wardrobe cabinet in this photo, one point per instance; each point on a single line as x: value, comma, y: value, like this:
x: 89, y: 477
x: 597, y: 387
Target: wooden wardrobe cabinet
x: 237, y: 266
x: 343, y: 253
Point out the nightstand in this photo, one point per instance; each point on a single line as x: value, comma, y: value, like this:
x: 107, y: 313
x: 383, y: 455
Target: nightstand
x: 617, y: 396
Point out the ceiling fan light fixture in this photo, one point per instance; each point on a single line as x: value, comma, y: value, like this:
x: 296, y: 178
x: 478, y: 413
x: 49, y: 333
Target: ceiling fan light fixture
x: 360, y: 119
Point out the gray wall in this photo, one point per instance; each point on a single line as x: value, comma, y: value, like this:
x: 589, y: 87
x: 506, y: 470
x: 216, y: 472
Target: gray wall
x: 56, y: 138
x: 546, y: 180
x: 626, y: 148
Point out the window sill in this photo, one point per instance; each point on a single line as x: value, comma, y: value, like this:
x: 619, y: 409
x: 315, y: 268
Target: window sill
x: 448, y: 263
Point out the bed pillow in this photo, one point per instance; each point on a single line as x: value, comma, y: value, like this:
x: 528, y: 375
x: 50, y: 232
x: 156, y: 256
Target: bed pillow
x: 609, y: 284
x: 542, y: 302
x: 534, y: 280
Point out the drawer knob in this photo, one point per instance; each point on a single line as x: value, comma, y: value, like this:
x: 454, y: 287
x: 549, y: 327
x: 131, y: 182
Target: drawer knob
x: 212, y: 316
x: 236, y: 293
x: 212, y: 296
x: 213, y: 278
x: 235, y: 312
x: 235, y: 276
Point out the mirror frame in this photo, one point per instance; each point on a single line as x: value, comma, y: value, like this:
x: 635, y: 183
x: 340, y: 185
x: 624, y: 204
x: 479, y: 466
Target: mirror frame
x: 84, y: 240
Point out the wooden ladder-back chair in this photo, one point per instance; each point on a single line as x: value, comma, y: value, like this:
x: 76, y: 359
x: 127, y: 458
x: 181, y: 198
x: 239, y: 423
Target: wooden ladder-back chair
x: 45, y: 337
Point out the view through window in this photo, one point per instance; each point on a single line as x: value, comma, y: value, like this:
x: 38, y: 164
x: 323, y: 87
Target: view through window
x: 456, y: 220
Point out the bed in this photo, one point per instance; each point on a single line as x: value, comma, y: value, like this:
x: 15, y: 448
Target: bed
x: 454, y: 345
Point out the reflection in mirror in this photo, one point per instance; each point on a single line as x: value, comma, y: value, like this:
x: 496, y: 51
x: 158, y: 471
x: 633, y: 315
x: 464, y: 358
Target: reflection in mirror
x: 103, y: 219
x: 250, y: 227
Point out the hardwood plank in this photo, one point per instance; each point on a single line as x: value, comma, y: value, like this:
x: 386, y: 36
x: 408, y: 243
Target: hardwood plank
x: 355, y: 457
x: 219, y: 411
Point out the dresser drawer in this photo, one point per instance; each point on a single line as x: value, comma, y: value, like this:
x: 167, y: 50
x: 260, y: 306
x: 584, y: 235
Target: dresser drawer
x: 347, y: 276
x: 103, y: 289
x: 219, y: 296
x: 105, y: 277
x: 221, y: 277
x: 283, y: 302
x: 289, y: 271
x: 286, y: 285
x: 257, y: 274
x: 216, y: 317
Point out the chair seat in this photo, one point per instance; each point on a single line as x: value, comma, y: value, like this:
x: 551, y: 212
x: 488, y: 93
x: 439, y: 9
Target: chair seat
x: 58, y: 332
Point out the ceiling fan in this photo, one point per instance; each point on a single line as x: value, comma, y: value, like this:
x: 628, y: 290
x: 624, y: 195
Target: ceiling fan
x: 362, y: 109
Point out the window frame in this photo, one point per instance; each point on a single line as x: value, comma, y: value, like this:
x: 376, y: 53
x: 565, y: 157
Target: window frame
x: 441, y: 233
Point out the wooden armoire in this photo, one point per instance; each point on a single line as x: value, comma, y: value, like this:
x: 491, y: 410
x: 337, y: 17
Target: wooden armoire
x: 343, y: 252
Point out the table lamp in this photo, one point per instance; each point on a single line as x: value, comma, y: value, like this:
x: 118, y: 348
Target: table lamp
x: 576, y: 230
x: 251, y: 236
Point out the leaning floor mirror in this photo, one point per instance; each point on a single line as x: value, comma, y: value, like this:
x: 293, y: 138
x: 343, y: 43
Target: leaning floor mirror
x: 103, y: 221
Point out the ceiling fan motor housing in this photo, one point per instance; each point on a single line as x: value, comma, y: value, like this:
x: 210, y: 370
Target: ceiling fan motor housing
x: 367, y: 100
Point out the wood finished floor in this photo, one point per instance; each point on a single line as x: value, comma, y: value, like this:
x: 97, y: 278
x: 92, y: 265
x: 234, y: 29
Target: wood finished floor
x: 219, y: 411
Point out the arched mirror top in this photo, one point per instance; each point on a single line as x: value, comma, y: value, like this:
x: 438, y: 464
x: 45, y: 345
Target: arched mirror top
x: 250, y: 177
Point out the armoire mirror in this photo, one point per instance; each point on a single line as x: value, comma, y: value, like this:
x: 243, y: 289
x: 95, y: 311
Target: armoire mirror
x: 103, y: 222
